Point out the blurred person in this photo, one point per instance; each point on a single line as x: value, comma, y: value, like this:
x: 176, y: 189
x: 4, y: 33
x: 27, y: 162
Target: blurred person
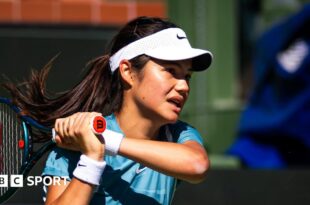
x: 140, y: 86
x: 274, y: 127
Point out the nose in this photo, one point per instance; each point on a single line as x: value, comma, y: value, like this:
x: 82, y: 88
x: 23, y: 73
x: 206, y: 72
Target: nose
x: 182, y: 87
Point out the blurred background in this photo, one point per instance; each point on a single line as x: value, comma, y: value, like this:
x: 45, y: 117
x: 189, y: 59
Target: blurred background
x: 255, y: 123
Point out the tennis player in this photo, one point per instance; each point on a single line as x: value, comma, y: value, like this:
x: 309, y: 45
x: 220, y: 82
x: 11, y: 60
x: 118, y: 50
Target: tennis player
x: 140, y: 86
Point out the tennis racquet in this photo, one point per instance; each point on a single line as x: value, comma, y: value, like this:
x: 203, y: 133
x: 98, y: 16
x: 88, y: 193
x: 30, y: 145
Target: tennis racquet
x: 17, y: 154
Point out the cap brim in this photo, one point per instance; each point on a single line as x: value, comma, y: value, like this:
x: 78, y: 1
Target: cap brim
x: 201, y: 59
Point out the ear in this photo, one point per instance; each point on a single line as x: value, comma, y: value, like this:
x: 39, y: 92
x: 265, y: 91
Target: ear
x: 126, y: 72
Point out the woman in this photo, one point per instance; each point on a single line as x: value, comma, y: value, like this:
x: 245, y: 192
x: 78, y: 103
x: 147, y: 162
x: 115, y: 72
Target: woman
x: 140, y: 87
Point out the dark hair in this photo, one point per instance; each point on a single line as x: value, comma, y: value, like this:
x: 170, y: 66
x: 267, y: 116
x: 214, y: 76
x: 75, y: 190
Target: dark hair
x: 100, y: 90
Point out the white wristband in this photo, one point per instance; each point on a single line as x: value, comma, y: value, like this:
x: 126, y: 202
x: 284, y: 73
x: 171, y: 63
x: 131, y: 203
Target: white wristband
x: 112, y: 141
x: 89, y: 170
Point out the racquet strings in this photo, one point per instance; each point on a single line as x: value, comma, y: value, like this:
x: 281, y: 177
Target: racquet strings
x: 11, y: 155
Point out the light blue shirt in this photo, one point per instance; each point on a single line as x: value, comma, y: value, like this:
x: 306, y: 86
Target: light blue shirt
x: 125, y: 181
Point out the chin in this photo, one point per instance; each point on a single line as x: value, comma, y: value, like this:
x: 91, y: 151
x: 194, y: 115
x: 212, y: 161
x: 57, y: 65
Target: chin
x: 173, y: 118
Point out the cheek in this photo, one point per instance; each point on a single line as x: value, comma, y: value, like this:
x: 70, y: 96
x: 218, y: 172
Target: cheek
x: 153, y: 90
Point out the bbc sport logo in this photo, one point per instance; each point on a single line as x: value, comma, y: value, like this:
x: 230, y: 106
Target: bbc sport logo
x: 16, y: 180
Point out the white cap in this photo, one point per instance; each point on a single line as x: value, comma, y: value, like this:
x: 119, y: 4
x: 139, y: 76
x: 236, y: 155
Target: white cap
x: 169, y: 44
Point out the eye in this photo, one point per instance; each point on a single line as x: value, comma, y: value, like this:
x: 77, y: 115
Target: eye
x: 188, y: 77
x: 170, y: 70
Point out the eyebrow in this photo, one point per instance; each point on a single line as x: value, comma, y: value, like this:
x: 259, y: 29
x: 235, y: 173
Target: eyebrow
x: 175, y: 63
x: 172, y: 63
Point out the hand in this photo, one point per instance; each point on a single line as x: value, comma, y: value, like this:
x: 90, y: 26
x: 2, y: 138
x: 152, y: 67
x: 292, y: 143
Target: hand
x: 75, y: 133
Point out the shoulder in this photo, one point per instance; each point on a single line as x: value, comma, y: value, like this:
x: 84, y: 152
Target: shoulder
x: 181, y: 127
x: 182, y: 131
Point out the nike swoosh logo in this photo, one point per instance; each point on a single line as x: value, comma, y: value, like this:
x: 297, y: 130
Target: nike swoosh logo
x: 81, y: 165
x: 138, y: 171
x: 181, y: 37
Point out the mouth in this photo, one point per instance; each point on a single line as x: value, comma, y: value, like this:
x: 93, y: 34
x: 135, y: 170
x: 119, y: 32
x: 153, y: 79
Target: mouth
x: 177, y: 102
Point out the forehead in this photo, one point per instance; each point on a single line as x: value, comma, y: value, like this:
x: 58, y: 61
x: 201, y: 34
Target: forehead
x: 183, y: 64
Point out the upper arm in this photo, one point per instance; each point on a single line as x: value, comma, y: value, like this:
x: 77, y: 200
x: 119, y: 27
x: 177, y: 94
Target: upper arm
x: 190, y: 137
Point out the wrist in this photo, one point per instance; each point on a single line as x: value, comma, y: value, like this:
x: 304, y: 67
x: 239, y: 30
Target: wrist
x: 112, y: 142
x: 89, y: 170
x: 95, y: 151
x: 97, y: 156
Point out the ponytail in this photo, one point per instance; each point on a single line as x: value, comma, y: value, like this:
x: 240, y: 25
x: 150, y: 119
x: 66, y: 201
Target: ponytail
x: 97, y: 91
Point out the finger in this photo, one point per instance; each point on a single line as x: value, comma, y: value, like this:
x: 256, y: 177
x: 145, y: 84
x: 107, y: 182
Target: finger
x: 66, y: 138
x: 71, y: 124
x: 96, y: 113
x: 64, y: 130
x: 78, y: 124
x: 85, y: 122
x: 58, y: 127
x: 66, y: 126
x: 58, y: 140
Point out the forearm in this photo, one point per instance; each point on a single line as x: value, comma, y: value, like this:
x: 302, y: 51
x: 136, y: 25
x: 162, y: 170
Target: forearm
x: 75, y: 192
x: 186, y: 161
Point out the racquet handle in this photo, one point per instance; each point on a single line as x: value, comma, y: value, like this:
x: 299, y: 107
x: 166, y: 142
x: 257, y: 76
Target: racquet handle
x: 98, y: 125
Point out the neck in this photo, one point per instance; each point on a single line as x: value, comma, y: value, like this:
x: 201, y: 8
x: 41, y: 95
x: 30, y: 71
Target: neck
x: 136, y: 125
